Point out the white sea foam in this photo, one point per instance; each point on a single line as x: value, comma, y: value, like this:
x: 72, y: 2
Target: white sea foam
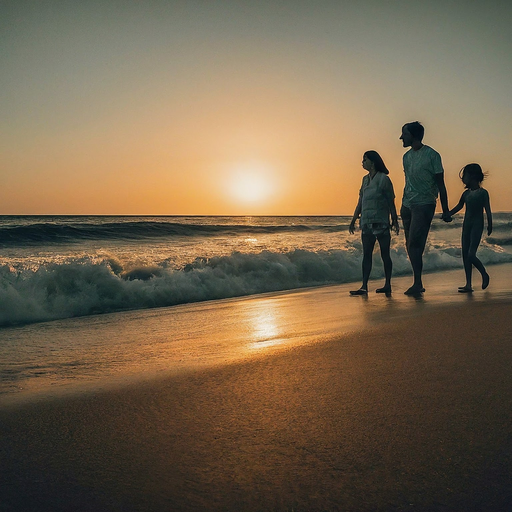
x: 85, y: 286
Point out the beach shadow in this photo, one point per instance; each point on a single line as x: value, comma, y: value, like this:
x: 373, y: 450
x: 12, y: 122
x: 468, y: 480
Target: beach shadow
x: 417, y: 297
x: 362, y: 297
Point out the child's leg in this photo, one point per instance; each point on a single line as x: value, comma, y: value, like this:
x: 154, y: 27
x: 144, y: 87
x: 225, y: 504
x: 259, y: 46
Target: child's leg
x: 474, y: 242
x: 368, y: 246
x: 468, y: 267
x: 384, y: 244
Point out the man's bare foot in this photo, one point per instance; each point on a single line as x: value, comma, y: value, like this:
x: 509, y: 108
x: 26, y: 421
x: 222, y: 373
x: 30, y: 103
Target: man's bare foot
x: 465, y: 289
x: 361, y: 291
x: 414, y: 290
x: 485, y: 281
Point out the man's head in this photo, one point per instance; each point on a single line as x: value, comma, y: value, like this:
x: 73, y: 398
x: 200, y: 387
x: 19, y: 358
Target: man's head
x: 412, y: 132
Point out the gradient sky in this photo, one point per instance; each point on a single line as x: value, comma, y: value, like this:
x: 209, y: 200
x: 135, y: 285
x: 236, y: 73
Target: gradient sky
x: 238, y: 107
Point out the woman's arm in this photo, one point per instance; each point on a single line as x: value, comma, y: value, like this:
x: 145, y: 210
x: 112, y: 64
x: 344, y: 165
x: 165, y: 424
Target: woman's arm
x: 390, y: 198
x: 392, y: 210
x: 357, y: 212
x: 487, y: 208
x: 394, y: 218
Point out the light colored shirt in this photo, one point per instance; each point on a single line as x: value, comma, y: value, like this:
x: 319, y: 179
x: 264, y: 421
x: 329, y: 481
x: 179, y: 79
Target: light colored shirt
x: 377, y: 196
x: 420, y: 168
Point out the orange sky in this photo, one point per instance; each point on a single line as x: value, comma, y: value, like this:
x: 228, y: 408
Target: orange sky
x: 174, y: 107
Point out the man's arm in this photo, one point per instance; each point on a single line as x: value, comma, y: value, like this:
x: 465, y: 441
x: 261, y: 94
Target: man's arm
x: 443, y: 196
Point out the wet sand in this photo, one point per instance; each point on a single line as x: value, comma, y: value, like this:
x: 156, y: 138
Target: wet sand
x: 408, y: 414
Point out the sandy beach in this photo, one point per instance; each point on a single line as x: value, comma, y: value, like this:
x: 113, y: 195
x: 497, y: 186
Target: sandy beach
x: 408, y: 409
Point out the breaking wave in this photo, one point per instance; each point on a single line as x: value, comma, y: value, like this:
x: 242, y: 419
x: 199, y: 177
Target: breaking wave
x: 83, y: 287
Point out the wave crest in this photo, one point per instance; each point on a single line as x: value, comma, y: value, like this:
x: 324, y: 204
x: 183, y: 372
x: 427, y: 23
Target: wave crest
x: 84, y: 287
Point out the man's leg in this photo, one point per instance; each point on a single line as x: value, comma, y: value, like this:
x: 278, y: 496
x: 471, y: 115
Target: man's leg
x: 421, y: 219
x: 405, y: 214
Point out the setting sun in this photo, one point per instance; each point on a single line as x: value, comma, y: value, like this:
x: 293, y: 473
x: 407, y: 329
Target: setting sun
x: 251, y: 183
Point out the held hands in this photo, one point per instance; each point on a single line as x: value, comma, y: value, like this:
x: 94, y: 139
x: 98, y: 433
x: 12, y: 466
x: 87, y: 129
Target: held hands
x: 446, y: 217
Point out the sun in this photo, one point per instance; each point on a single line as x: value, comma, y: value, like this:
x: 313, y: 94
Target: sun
x: 251, y: 183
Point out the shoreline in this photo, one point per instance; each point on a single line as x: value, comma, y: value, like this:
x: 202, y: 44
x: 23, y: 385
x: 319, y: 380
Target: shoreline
x: 176, y: 340
x: 411, y: 413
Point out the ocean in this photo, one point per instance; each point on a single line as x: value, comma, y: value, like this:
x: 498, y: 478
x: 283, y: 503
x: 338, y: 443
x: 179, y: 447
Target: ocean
x: 88, y: 300
x: 54, y: 267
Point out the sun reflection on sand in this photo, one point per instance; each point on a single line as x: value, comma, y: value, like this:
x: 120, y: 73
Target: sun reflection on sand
x: 263, y: 326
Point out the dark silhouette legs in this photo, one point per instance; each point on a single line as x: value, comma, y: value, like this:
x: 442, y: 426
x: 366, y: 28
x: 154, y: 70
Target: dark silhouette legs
x: 470, y: 241
x: 416, y: 221
x: 368, y: 246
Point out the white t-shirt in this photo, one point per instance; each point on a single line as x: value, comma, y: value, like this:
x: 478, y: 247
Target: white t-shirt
x: 420, y: 168
x: 377, y: 195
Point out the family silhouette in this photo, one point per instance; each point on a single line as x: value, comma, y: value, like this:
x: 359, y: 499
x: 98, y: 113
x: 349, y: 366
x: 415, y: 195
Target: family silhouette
x: 424, y: 183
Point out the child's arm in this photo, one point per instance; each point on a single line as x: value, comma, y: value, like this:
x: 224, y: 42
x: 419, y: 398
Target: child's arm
x: 487, y: 208
x: 357, y: 212
x: 459, y: 206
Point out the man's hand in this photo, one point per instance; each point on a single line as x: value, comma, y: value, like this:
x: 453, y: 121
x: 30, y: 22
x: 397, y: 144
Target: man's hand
x: 352, y: 227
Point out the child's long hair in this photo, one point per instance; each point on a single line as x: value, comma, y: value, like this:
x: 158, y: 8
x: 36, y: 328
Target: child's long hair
x: 374, y: 157
x: 473, y: 171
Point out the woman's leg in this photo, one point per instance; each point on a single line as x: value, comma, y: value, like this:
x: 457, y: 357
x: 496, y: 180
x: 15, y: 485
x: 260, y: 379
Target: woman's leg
x: 368, y: 246
x: 384, y: 244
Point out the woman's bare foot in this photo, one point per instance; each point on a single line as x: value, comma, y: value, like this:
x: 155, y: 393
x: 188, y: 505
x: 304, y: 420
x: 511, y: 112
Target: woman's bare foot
x: 485, y: 280
x: 361, y: 291
x: 384, y: 289
x: 465, y: 289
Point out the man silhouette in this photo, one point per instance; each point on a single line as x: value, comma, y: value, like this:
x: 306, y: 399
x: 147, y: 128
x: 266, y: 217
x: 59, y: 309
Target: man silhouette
x: 424, y: 180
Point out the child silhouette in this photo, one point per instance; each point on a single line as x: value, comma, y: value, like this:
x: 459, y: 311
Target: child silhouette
x: 476, y: 200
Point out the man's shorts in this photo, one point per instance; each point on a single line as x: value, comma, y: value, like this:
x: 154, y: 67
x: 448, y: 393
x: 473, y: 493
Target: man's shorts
x: 417, y: 220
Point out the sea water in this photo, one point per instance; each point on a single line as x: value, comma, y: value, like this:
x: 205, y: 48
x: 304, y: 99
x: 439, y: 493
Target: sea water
x: 78, y: 295
x: 54, y: 267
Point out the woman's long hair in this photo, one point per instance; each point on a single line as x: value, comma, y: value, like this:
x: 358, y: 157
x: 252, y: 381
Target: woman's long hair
x: 374, y: 157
